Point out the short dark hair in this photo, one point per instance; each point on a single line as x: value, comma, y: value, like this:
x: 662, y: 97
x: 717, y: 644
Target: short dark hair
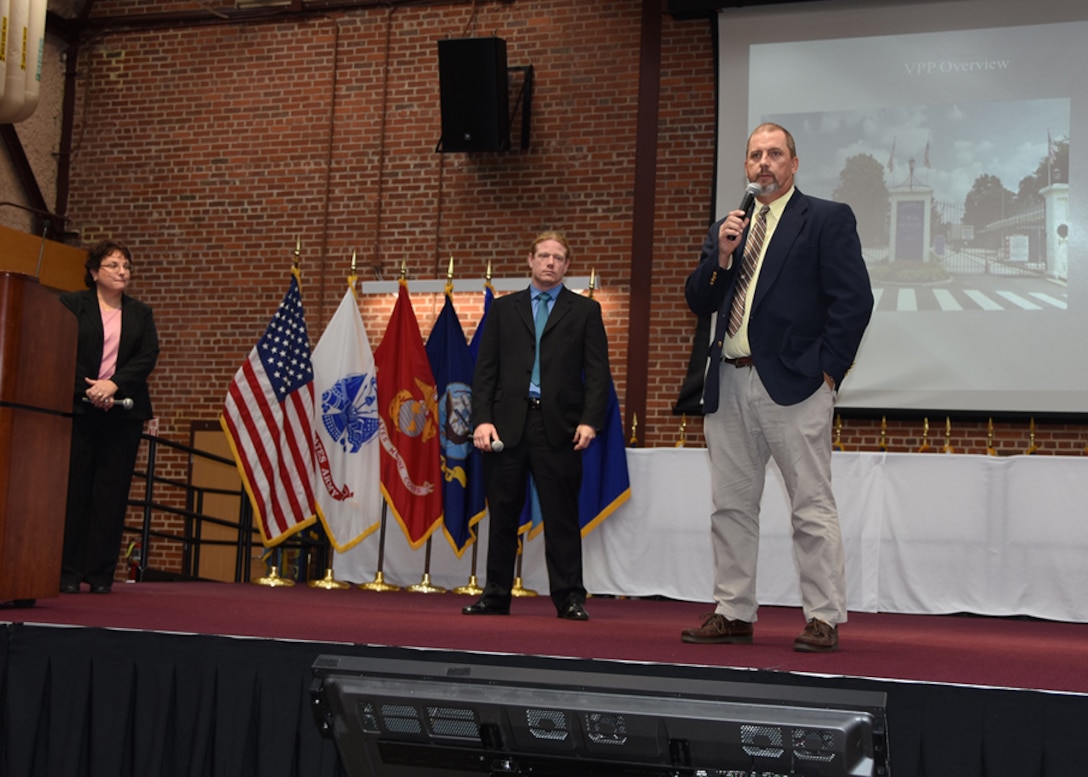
x: 100, y: 251
x: 770, y: 126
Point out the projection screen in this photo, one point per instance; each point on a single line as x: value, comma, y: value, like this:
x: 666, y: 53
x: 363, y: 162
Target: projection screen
x: 947, y: 126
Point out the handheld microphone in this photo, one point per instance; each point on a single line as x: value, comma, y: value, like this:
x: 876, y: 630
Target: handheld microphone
x: 497, y: 446
x: 124, y: 404
x: 748, y: 202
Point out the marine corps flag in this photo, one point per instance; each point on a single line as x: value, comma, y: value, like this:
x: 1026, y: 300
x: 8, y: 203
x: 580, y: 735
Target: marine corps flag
x: 452, y: 366
x: 408, y: 411
x: 346, y: 445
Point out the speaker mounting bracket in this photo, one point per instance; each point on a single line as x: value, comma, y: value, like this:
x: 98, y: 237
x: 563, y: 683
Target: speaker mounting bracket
x: 524, y: 102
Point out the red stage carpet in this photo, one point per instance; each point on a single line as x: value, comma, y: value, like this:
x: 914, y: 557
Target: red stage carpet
x: 216, y: 679
x: 1005, y: 653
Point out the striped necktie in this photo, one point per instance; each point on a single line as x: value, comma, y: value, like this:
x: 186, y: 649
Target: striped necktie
x: 747, y: 269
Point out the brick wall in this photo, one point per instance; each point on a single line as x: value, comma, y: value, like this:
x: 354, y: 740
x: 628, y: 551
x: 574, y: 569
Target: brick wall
x: 211, y: 148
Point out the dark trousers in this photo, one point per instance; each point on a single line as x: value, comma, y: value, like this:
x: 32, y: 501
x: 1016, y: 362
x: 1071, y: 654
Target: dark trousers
x: 557, y: 473
x: 104, y: 448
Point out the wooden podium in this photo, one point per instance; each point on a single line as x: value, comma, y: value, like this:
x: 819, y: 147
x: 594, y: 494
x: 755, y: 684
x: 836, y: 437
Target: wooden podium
x: 37, y: 374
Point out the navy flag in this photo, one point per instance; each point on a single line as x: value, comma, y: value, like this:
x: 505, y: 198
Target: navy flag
x: 452, y: 365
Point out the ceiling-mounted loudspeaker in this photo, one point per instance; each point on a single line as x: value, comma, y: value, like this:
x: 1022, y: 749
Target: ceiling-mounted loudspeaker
x: 700, y: 9
x: 473, y: 86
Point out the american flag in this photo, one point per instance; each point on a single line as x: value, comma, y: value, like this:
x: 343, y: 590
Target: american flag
x: 267, y: 418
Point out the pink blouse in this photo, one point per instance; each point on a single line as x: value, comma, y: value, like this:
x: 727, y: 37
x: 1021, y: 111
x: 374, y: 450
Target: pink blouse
x: 111, y: 328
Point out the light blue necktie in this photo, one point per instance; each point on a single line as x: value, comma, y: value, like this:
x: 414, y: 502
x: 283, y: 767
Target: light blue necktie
x: 541, y: 320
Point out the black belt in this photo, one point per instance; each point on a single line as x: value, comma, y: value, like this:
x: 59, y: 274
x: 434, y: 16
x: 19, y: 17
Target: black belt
x: 534, y: 402
x: 742, y: 361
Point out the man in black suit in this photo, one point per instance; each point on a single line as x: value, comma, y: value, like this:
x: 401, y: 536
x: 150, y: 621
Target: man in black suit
x: 793, y: 299
x: 541, y: 388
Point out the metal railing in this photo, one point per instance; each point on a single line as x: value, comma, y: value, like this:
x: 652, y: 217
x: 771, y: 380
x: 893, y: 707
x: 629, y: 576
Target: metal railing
x: 194, y: 520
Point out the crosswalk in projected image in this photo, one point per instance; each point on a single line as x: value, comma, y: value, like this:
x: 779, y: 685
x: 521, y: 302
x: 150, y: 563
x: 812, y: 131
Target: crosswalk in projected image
x: 924, y: 299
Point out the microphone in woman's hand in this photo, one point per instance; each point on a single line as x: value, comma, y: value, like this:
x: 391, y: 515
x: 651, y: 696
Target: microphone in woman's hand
x: 124, y: 404
x: 497, y: 446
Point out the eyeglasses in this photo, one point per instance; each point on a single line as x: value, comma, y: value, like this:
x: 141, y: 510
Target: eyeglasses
x: 115, y: 267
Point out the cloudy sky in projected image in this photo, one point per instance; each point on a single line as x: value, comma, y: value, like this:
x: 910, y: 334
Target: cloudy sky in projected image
x: 966, y: 140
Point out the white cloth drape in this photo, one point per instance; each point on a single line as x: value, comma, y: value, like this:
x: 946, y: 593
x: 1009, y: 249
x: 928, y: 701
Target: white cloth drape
x: 924, y: 533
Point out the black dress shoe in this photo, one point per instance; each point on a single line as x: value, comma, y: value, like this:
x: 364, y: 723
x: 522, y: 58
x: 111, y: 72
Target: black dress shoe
x: 102, y: 588
x: 485, y: 608
x: 574, y: 611
x: 69, y: 588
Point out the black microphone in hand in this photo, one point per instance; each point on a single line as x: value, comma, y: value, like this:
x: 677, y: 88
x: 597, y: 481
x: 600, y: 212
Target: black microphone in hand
x: 124, y: 404
x: 748, y: 202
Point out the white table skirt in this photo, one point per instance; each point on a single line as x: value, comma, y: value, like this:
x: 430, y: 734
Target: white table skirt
x: 924, y: 533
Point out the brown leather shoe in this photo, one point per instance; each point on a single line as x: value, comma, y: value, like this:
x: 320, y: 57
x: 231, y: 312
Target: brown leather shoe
x: 719, y: 629
x: 818, y: 637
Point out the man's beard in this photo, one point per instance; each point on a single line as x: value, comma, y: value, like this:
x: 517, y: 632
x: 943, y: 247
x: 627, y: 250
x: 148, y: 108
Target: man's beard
x: 771, y: 187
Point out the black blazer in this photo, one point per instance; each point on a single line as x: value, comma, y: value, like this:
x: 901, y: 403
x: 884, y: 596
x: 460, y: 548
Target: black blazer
x: 136, y: 354
x: 812, y: 302
x: 574, y: 373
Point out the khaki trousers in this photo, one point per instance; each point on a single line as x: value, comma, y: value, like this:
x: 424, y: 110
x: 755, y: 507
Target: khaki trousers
x: 747, y: 430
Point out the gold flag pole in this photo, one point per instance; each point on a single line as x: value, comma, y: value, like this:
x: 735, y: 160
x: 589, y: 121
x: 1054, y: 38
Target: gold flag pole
x: 519, y: 590
x: 1032, y: 447
x: 683, y: 431
x: 425, y: 586
x: 925, y: 436
x: 883, y: 443
x: 837, y: 444
x: 472, y: 587
x: 634, y: 430
x: 329, y: 581
x: 378, y: 583
x: 948, y: 436
x: 273, y: 579
x: 990, y: 450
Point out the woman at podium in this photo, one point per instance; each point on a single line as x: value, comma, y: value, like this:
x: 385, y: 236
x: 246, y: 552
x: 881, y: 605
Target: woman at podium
x: 117, y: 347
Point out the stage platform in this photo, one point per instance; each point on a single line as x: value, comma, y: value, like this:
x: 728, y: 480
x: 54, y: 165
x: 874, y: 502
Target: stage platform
x: 213, y: 679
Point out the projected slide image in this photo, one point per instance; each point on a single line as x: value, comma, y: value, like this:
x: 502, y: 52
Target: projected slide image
x: 957, y: 150
x: 952, y: 201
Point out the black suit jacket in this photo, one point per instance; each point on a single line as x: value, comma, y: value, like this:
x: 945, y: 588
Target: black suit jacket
x: 574, y: 373
x: 811, y: 306
x: 136, y: 355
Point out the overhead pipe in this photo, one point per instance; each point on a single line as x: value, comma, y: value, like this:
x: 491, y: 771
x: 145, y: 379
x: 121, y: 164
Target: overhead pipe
x: 35, y: 50
x: 5, y: 14
x: 15, y: 59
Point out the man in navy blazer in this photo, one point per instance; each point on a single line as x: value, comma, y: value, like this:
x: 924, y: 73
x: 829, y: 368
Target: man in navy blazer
x: 545, y: 404
x: 792, y: 296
